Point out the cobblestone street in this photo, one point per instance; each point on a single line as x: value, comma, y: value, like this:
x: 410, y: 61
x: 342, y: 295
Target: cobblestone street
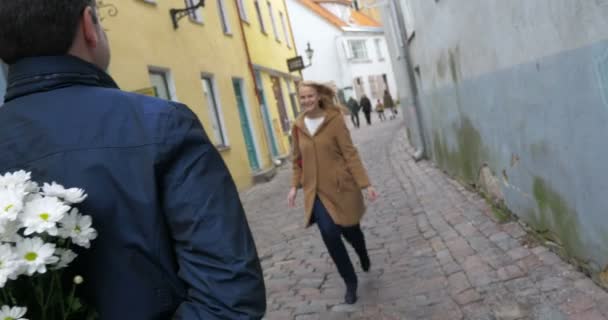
x: 436, y: 252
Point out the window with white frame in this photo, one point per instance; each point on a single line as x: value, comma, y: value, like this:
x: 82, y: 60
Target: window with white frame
x: 160, y: 80
x: 224, y: 17
x: 219, y: 134
x: 258, y: 11
x: 195, y: 15
x: 274, y: 24
x: 285, y: 30
x: 358, y: 49
x: 242, y: 10
x: 379, y: 54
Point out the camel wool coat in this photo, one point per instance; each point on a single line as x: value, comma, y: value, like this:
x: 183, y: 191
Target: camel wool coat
x: 328, y: 165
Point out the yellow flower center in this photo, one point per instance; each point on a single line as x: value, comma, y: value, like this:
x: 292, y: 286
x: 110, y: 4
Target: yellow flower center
x: 7, y: 208
x: 31, y: 256
x: 77, y: 229
x: 44, y: 216
x: 9, y: 318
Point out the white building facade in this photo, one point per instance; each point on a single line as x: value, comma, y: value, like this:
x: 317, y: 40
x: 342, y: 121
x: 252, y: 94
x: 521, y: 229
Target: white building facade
x: 350, y: 49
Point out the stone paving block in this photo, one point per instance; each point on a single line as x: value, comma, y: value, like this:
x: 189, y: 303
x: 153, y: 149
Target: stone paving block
x: 460, y: 248
x: 467, y: 296
x: 579, y: 303
x: 511, y: 312
x: 519, y: 253
x: 510, y: 272
x: 466, y: 229
x: 458, y: 283
x: 592, y: 314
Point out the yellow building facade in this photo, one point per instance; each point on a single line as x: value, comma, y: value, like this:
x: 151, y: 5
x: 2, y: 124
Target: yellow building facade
x: 203, y: 64
x: 270, y: 41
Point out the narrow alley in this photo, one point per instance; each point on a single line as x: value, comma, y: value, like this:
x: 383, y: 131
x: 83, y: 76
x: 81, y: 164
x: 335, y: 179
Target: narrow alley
x: 436, y: 251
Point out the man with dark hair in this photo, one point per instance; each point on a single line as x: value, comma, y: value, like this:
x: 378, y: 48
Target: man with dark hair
x: 173, y: 242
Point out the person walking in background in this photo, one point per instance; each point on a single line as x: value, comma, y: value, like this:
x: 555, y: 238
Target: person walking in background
x: 380, y: 110
x: 174, y: 242
x: 327, y: 166
x: 354, y: 108
x: 366, y: 105
x: 390, y: 104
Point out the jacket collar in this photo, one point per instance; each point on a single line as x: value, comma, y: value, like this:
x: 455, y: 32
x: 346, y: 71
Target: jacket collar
x: 46, y: 73
x: 330, y: 114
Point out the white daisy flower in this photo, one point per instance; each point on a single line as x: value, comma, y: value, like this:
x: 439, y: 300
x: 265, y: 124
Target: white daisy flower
x: 19, y: 179
x: 66, y: 257
x: 14, y: 313
x: 42, y: 214
x: 15, y: 178
x: 9, y: 265
x: 78, y: 228
x: 35, y: 255
x: 10, y: 231
x: 72, y: 195
x: 11, y: 202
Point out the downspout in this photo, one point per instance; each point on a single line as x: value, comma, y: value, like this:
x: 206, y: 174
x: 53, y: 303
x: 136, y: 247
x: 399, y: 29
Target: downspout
x: 420, y: 153
x: 255, y: 83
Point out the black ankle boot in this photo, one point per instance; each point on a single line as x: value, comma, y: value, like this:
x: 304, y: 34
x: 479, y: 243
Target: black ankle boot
x: 351, y: 294
x: 365, y: 263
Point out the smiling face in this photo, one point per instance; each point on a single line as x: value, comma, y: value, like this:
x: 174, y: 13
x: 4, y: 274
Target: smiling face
x: 309, y: 98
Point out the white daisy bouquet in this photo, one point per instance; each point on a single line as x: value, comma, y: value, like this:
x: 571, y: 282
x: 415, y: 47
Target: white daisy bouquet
x: 40, y: 230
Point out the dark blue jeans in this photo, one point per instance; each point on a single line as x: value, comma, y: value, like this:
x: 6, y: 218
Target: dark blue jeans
x: 332, y: 237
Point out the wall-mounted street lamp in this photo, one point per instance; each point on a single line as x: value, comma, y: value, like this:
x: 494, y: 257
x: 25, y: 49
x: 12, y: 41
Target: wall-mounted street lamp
x: 297, y: 63
x: 309, y: 52
x: 177, y: 14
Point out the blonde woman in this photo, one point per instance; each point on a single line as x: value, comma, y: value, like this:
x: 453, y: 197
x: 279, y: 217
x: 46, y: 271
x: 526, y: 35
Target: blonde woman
x: 326, y: 165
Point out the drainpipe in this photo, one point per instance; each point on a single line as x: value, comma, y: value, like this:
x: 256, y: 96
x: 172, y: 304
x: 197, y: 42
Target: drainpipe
x: 396, y: 6
x: 255, y: 83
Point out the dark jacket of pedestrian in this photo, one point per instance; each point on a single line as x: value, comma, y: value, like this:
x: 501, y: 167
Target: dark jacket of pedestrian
x: 366, y: 104
x: 353, y: 106
x: 173, y: 241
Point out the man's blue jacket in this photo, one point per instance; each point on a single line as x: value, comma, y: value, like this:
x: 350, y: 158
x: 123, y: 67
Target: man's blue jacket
x: 173, y: 242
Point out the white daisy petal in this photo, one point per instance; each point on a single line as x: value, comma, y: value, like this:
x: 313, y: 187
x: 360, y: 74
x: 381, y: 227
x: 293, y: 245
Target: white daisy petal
x: 66, y: 257
x: 78, y: 228
x: 11, y: 202
x: 35, y: 255
x: 14, y: 313
x: 17, y: 178
x: 42, y: 214
x: 9, y: 264
x: 72, y: 195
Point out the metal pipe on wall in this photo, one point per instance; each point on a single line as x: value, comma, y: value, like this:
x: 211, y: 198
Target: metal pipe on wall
x: 396, y: 7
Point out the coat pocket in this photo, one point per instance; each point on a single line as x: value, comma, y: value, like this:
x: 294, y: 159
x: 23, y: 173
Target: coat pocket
x: 346, y: 182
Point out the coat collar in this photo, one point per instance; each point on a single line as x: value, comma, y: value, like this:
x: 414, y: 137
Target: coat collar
x: 330, y: 114
x: 46, y: 73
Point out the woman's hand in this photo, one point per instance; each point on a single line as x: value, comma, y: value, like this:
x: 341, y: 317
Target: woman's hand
x: 372, y: 195
x: 291, y: 198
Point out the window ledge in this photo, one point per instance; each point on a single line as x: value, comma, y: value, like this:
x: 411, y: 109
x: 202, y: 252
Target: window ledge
x: 152, y: 2
x: 222, y: 148
x: 361, y: 60
x: 198, y: 22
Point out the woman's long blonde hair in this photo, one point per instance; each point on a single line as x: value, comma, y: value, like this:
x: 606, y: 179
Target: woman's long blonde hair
x: 327, y: 95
